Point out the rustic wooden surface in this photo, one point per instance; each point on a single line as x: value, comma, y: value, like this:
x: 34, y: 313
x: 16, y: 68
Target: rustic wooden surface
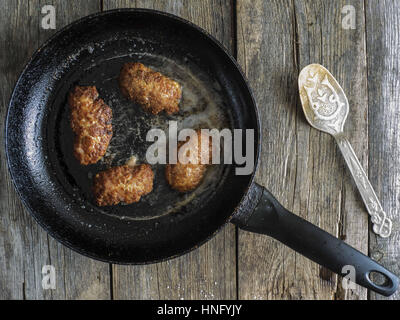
x: 383, y: 47
x: 302, y: 167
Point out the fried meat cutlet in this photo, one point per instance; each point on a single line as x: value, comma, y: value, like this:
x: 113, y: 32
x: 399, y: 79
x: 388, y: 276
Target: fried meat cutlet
x: 122, y: 184
x: 91, y: 123
x: 152, y: 90
x: 187, y: 177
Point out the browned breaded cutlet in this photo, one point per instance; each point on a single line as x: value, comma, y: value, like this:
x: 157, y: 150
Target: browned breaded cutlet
x: 152, y: 90
x: 187, y: 177
x: 122, y: 184
x: 91, y: 123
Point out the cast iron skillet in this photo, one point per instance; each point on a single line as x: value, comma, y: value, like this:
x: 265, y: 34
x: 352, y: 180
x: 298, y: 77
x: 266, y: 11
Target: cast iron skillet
x: 164, y: 224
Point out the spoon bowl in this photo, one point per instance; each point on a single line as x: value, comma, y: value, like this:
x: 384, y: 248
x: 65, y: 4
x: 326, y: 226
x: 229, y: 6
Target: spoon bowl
x: 323, y: 100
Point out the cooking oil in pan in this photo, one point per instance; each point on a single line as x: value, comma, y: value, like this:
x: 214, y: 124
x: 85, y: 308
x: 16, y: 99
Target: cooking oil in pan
x: 202, y: 106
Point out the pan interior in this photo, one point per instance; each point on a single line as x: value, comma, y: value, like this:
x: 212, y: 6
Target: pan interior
x: 57, y: 190
x: 203, y: 105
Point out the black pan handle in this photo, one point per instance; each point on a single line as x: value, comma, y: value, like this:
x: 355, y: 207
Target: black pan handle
x: 270, y: 218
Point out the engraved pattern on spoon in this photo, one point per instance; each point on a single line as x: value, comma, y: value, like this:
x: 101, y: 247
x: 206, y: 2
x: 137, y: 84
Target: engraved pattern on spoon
x: 324, y: 105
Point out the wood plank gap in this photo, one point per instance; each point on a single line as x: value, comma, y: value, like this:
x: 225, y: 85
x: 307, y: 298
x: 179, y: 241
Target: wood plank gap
x: 234, y: 53
x: 296, y: 56
x: 234, y: 29
x: 111, y: 282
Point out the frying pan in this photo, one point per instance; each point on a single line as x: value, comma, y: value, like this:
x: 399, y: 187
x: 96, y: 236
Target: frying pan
x: 165, y: 223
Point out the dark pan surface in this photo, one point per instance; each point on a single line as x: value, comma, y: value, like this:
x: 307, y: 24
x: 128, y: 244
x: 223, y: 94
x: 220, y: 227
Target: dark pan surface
x: 57, y: 190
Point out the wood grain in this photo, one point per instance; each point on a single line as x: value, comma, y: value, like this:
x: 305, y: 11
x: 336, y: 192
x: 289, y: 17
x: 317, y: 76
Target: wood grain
x: 16, y: 46
x: 210, y: 271
x: 343, y: 52
x: 24, y: 246
x: 383, y: 47
x: 301, y: 166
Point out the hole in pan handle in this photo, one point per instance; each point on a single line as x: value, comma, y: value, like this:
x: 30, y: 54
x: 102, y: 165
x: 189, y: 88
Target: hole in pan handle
x: 271, y: 218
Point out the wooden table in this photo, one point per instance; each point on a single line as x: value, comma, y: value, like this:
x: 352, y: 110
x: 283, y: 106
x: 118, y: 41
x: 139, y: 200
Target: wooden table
x: 272, y: 40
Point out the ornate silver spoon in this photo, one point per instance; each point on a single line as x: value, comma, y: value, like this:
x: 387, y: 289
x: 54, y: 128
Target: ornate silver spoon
x: 326, y: 107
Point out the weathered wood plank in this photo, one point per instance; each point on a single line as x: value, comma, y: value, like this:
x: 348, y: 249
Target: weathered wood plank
x: 24, y: 246
x: 209, y: 272
x: 343, y: 52
x: 301, y: 166
x: 383, y: 51
x: 16, y: 47
x: 82, y: 278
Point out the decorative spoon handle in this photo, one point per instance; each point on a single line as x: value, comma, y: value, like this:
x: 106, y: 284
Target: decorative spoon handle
x: 382, y: 225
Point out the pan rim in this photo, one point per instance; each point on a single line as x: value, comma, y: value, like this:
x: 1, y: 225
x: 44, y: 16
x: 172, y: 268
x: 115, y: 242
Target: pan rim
x: 88, y: 18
